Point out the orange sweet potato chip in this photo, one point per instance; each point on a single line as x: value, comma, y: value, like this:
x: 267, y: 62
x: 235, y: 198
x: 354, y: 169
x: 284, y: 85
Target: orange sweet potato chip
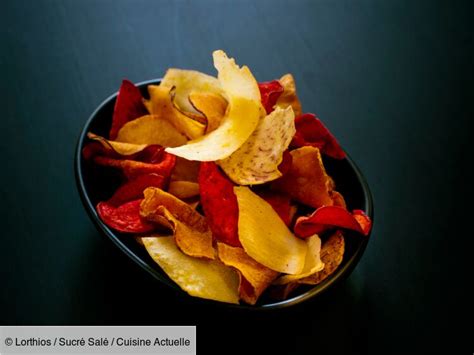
x: 332, y: 253
x: 307, y: 180
x: 289, y: 97
x: 191, y: 232
x: 255, y: 274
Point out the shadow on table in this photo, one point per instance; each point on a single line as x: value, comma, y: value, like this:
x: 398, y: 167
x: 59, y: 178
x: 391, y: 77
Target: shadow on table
x: 113, y: 290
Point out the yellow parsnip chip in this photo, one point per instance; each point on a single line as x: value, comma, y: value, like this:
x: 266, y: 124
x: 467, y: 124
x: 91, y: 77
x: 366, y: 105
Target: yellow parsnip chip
x: 202, y: 278
x: 265, y: 237
x: 151, y: 129
x: 257, y: 160
x: 190, y: 228
x: 241, y: 118
x: 258, y: 276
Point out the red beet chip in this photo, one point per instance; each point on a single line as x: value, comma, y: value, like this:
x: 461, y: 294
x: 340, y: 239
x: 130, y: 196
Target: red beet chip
x: 219, y: 204
x: 280, y: 203
x: 152, y: 160
x: 270, y: 91
x: 311, y: 131
x: 327, y: 217
x: 125, y: 218
x: 128, y: 106
x: 133, y: 190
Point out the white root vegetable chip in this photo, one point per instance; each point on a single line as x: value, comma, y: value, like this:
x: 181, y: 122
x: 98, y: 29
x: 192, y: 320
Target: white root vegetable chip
x: 257, y: 160
x: 208, y: 279
x: 265, y: 237
x: 241, y: 119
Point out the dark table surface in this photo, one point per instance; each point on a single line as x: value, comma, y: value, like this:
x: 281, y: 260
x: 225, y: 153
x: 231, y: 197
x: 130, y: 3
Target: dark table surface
x: 393, y: 80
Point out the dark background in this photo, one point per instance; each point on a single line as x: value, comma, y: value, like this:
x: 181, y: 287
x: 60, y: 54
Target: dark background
x: 393, y: 80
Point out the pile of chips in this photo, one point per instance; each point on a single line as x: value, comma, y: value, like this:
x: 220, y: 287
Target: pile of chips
x: 218, y: 177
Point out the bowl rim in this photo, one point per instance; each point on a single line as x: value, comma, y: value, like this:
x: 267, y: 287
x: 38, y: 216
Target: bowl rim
x: 340, y: 274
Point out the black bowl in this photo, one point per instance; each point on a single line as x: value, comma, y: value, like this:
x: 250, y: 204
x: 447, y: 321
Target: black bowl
x: 96, y: 184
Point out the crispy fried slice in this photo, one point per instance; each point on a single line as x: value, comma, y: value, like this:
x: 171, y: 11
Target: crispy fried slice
x: 151, y: 129
x: 258, y: 276
x: 257, y: 160
x: 185, y: 170
x: 332, y: 253
x: 265, y: 237
x: 312, y: 264
x: 202, y: 278
x: 307, y: 180
x: 188, y: 82
x: 289, y: 97
x: 161, y: 105
x: 191, y: 231
x: 244, y: 102
x: 212, y: 106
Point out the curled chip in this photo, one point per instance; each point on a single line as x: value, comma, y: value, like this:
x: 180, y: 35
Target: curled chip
x: 264, y: 236
x: 188, y: 82
x: 289, y: 97
x: 219, y: 204
x: 312, y: 263
x: 125, y: 218
x: 257, y: 160
x: 203, y: 278
x: 332, y: 253
x: 191, y: 231
x: 270, y: 92
x: 310, y: 131
x: 128, y: 106
x: 156, y: 161
x: 151, y: 129
x: 183, y: 189
x: 212, y: 106
x: 118, y: 147
x: 242, y: 92
x: 306, y: 181
x: 161, y: 105
x: 258, y: 276
x: 327, y: 217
